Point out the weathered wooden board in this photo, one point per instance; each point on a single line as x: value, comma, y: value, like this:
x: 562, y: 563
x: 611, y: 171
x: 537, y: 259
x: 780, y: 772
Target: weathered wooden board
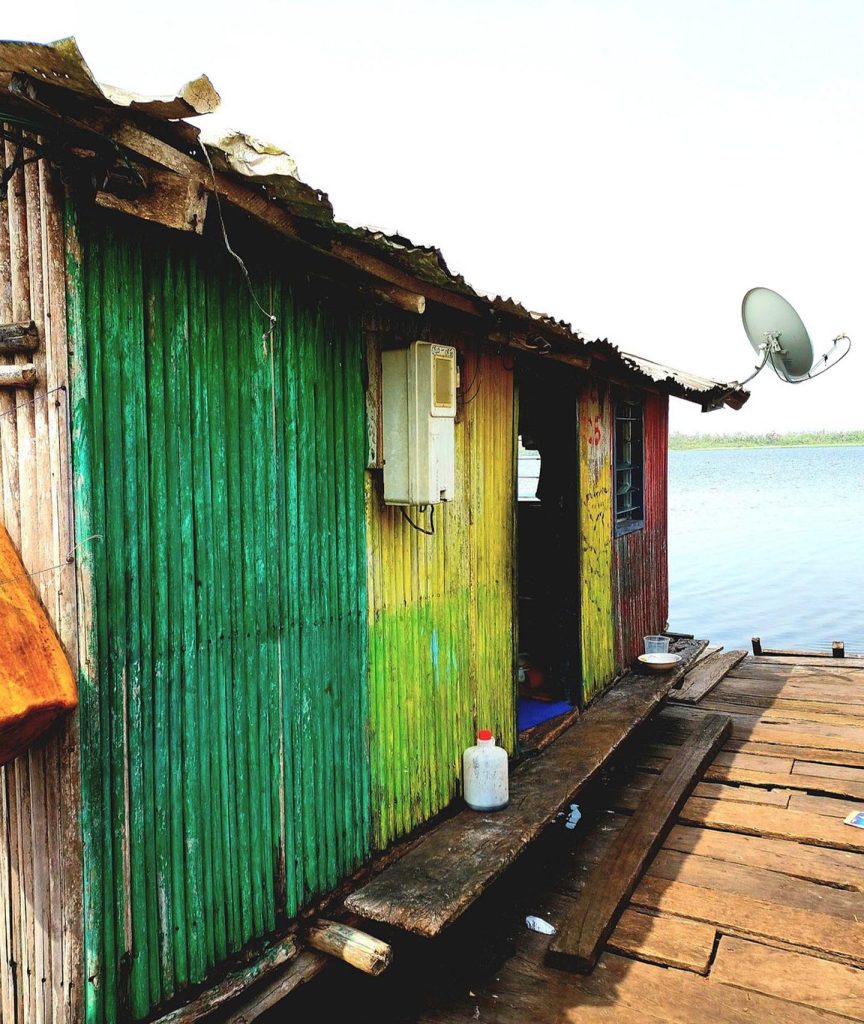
x: 782, y: 823
x: 730, y: 911
x: 790, y: 714
x: 659, y: 939
x: 813, y: 734
x: 817, y: 769
x: 828, y: 806
x: 632, y: 793
x: 810, y: 783
x: 794, y: 977
x: 659, y: 753
x: 816, y: 864
x: 620, y: 991
x: 756, y: 883
x: 22, y: 337
x: 437, y: 879
x: 702, y: 678
x: 579, y: 939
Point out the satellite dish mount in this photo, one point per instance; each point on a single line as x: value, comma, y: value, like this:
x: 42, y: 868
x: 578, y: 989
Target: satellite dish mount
x: 778, y: 335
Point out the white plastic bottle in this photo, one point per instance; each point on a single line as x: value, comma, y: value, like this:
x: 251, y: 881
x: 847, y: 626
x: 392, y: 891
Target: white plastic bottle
x: 485, y: 783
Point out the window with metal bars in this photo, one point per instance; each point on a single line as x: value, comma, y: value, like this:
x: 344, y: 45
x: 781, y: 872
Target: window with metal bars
x: 629, y: 465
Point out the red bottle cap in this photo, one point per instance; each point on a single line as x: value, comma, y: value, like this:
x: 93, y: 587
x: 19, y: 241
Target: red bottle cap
x: 484, y: 734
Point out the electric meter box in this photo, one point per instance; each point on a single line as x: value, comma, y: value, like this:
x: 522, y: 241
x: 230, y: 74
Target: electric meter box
x: 418, y: 386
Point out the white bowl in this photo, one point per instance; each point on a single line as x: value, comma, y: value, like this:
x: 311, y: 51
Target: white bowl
x: 659, y: 662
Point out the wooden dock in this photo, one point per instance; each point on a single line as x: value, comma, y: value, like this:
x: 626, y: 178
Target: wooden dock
x: 752, y: 910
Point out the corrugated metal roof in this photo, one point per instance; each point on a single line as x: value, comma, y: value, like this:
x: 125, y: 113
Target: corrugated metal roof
x: 275, y: 175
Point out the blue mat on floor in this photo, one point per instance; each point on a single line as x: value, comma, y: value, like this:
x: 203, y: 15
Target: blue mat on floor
x: 533, y: 712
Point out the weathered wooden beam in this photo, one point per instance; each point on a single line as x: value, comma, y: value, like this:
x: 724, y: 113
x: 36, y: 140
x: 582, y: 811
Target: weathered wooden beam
x: 307, y: 966
x: 411, y: 302
x: 702, y: 678
x: 172, y: 200
x: 613, y: 880
x: 233, y: 986
x: 757, y: 645
x: 18, y: 338
x: 355, y: 947
x: 838, y: 649
x: 23, y: 376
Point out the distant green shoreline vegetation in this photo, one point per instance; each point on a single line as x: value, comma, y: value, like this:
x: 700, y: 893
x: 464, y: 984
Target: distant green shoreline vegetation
x: 688, y: 442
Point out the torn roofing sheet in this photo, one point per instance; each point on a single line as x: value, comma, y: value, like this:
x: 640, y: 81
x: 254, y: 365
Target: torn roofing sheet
x: 62, y: 64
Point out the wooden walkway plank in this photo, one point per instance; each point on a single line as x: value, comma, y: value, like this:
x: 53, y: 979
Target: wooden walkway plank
x: 578, y: 941
x: 620, y: 991
x: 756, y: 883
x: 434, y: 882
x: 825, y: 805
x: 790, y: 714
x: 811, y: 783
x: 669, y: 941
x: 704, y: 676
x: 794, y: 977
x: 815, y: 864
x: 743, y: 914
x: 828, y: 771
x: 630, y: 794
x: 659, y: 753
x: 779, y: 823
x: 804, y: 734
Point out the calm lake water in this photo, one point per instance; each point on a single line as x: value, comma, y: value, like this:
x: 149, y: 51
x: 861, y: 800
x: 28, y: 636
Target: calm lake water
x: 768, y: 542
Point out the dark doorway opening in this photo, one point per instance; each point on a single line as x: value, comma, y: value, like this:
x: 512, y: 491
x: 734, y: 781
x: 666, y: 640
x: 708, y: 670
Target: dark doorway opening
x: 547, y: 537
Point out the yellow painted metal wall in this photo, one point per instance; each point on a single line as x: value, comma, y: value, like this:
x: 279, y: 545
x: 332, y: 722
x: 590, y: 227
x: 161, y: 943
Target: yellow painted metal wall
x: 441, y: 616
x: 595, y: 481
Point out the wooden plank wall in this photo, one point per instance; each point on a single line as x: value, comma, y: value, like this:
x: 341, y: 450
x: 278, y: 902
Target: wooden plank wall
x: 441, y: 615
x: 640, y: 563
x: 40, y: 849
x: 595, y: 484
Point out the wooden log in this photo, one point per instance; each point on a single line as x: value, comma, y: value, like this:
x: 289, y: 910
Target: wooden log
x: 15, y: 338
x: 233, y: 986
x: 361, y: 950
x: 757, y: 645
x: 578, y: 942
x: 838, y: 649
x: 22, y: 376
x: 444, y: 873
x: 704, y: 676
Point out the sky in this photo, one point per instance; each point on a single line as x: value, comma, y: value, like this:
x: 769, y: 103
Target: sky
x: 630, y: 166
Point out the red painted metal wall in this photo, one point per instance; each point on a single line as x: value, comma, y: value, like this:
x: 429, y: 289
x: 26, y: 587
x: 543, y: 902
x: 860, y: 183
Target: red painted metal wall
x: 640, y: 563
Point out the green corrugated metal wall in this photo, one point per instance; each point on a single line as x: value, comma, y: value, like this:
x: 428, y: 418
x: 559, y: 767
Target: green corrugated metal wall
x: 441, y: 617
x: 220, y: 508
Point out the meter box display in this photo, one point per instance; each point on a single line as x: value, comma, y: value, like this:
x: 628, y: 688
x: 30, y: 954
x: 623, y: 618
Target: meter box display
x: 418, y: 387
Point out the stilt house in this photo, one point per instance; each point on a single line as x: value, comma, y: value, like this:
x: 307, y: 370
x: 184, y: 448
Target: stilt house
x: 277, y: 668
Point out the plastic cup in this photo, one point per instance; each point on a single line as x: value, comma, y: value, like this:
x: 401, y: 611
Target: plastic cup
x: 656, y: 644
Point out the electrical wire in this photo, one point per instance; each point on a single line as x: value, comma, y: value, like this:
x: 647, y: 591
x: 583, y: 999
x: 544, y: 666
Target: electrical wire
x: 420, y: 529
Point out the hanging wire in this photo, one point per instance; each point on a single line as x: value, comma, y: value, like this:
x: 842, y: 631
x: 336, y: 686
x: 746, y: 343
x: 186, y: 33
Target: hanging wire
x: 69, y: 560
x: 420, y: 529
x: 270, y: 317
x: 32, y: 401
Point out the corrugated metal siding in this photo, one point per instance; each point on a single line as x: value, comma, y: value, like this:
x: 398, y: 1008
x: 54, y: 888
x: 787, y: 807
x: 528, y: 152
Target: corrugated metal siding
x: 641, y: 564
x: 595, y: 485
x: 40, y: 848
x: 441, y: 617
x: 219, y: 475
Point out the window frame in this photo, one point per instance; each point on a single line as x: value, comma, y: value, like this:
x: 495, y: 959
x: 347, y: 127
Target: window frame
x: 635, y: 515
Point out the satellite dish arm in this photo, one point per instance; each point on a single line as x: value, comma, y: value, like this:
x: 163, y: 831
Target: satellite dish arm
x: 823, y: 360
x: 766, y: 352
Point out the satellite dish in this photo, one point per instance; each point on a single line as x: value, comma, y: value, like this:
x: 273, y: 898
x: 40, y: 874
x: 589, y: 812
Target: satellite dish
x: 778, y: 335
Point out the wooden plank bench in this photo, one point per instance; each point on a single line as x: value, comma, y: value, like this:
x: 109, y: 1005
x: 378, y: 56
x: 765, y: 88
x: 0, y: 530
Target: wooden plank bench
x: 436, y: 880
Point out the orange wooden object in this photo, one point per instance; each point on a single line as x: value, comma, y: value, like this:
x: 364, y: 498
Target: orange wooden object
x: 36, y: 682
